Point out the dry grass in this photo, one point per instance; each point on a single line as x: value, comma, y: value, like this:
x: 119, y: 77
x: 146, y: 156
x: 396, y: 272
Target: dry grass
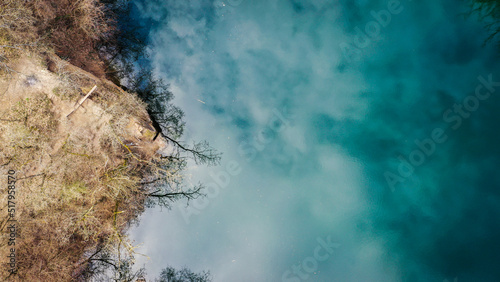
x: 79, y: 178
x: 70, y: 28
x: 17, y: 30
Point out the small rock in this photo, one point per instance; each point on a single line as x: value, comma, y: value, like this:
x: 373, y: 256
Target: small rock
x: 31, y: 80
x: 51, y: 65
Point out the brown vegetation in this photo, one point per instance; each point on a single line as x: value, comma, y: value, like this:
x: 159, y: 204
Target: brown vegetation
x: 71, y: 28
x: 81, y: 179
x: 78, y: 177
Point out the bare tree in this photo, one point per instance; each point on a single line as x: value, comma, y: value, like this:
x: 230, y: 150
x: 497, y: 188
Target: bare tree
x: 103, y: 265
x: 489, y: 12
x: 170, y: 274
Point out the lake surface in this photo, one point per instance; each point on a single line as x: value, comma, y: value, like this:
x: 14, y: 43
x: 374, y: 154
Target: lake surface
x: 359, y: 138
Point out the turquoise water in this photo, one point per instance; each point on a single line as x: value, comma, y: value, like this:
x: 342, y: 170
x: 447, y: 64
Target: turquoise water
x: 359, y: 137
